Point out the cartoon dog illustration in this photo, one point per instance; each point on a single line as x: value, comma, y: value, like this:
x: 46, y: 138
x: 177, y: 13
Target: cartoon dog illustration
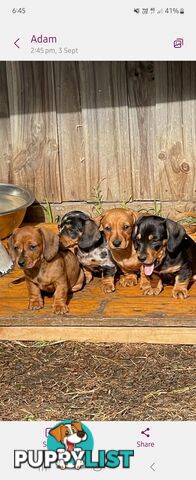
x: 69, y: 435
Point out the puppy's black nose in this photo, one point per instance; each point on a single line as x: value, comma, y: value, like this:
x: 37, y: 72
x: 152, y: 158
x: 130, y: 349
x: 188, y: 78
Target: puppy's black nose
x: 117, y: 243
x: 81, y: 434
x: 142, y: 257
x: 21, y: 262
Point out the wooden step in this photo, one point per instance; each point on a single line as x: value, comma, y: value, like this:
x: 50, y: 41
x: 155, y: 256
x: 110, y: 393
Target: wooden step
x: 123, y: 316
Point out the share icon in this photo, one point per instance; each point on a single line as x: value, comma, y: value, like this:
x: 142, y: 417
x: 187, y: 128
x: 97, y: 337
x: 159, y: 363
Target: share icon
x: 144, y: 432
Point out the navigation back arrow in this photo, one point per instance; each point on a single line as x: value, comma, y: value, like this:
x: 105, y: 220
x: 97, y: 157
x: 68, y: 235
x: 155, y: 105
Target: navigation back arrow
x: 152, y: 467
x: 16, y: 44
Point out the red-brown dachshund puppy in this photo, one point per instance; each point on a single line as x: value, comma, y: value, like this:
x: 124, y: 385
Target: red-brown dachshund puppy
x: 36, y: 251
x: 163, y: 247
x: 117, y: 225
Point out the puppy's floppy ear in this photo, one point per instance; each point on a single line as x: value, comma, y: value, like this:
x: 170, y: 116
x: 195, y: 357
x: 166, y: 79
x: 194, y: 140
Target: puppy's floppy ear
x: 98, y: 219
x: 175, y: 233
x: 138, y: 219
x: 133, y: 215
x: 90, y: 236
x: 50, y: 243
x: 11, y: 244
x: 134, y: 233
x: 77, y: 426
x: 58, y: 432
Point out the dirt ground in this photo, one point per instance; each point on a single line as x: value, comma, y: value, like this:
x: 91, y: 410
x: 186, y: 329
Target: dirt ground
x: 68, y: 380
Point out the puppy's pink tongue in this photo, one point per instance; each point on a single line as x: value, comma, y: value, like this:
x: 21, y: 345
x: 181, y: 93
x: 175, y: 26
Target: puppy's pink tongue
x: 148, y: 269
x: 70, y: 446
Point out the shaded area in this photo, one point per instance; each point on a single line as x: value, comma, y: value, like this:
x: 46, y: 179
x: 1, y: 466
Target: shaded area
x: 75, y: 77
x: 69, y: 380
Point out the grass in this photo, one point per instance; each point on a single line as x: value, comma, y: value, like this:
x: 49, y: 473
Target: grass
x: 124, y: 203
x: 156, y: 210
x: 48, y: 212
x: 49, y: 217
x: 188, y: 220
x: 97, y: 197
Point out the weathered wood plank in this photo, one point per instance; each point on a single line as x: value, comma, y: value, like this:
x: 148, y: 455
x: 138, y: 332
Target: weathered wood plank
x: 103, y: 92
x: 70, y: 131
x: 49, y: 320
x: 175, y: 109
x: 142, y: 124
x: 33, y: 128
x: 5, y: 140
x: 170, y: 336
x: 168, y: 209
x: 189, y: 127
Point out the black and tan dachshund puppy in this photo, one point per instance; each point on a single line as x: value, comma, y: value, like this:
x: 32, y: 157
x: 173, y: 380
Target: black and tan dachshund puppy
x: 79, y: 232
x: 163, y: 247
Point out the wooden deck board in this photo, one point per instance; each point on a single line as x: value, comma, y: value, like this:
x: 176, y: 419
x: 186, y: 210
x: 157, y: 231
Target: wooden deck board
x: 123, y: 316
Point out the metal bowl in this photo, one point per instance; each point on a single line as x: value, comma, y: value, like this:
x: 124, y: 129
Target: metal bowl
x: 14, y: 201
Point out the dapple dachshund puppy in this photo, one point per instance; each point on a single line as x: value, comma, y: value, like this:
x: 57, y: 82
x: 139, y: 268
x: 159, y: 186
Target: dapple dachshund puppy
x: 117, y: 225
x: 78, y: 231
x: 163, y: 247
x: 36, y: 251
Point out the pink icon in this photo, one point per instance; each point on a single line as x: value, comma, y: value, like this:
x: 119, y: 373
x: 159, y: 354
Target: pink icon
x: 178, y: 43
x: 16, y: 42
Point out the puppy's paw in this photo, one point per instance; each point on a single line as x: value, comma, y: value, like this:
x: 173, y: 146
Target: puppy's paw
x: 108, y: 287
x: 88, y: 276
x: 151, y: 291
x: 180, y: 292
x: 60, y: 308
x: 60, y: 464
x: 79, y: 464
x: 35, y: 303
x: 128, y: 280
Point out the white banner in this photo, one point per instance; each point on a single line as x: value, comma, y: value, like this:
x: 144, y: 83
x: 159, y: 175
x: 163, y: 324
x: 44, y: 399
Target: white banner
x: 104, y: 30
x: 98, y: 450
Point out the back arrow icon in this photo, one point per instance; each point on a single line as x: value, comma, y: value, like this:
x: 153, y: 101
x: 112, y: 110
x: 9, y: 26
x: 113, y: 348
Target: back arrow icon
x: 152, y: 467
x: 15, y: 43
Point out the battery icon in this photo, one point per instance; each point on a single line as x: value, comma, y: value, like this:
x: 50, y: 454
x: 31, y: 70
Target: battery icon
x: 182, y: 10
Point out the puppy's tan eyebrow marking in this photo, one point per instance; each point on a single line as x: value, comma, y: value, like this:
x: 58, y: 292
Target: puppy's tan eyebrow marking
x: 165, y: 242
x: 67, y: 223
x: 138, y: 236
x: 150, y: 237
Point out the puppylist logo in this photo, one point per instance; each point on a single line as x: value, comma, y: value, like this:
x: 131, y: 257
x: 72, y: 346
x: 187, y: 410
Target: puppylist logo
x: 70, y: 445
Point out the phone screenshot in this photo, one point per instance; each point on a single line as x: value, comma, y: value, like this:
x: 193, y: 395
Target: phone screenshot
x: 98, y: 239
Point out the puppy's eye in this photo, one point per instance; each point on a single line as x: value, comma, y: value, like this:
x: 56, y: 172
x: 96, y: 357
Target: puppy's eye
x: 125, y: 227
x: 16, y: 248
x: 156, y: 246
x: 107, y: 228
x: 32, y: 247
x: 74, y: 430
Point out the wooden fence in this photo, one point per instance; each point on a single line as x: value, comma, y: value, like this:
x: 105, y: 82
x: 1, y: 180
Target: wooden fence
x: 65, y: 126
